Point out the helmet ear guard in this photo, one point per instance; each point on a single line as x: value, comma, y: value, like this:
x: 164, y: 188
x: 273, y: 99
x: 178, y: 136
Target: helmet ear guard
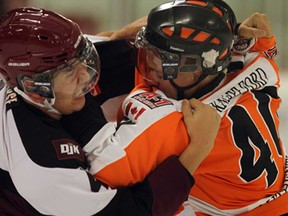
x: 171, y: 62
x: 193, y: 27
x: 40, y: 84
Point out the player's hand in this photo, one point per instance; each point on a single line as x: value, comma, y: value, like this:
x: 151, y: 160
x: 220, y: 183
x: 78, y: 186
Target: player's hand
x: 129, y: 31
x: 202, y: 124
x: 255, y: 26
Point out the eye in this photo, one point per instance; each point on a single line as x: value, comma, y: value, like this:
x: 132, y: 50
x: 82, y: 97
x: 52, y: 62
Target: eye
x: 70, y: 72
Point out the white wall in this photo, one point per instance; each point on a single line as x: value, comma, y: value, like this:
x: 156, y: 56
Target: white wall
x: 112, y: 14
x: 283, y: 112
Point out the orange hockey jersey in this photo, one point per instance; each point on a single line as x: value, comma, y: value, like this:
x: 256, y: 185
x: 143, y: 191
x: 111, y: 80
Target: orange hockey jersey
x: 246, y: 167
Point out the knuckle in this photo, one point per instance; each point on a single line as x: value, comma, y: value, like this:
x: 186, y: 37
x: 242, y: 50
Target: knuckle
x: 257, y: 14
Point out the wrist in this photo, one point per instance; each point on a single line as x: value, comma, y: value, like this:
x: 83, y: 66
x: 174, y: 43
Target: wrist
x: 192, y: 156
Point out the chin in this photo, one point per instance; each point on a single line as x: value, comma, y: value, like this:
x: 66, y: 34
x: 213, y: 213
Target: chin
x: 78, y: 103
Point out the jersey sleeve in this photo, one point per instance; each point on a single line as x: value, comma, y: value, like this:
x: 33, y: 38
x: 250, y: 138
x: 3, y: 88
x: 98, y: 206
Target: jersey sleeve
x: 117, y: 68
x: 161, y: 193
x: 75, y: 192
x: 29, y: 186
x: 151, y: 131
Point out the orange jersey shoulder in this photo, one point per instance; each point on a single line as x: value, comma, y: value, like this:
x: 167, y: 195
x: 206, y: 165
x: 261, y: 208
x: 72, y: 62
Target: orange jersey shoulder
x: 151, y: 130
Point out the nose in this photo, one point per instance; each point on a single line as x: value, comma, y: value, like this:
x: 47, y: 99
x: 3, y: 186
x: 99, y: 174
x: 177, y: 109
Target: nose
x: 84, y: 81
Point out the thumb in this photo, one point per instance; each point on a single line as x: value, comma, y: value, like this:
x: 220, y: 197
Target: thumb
x: 187, y: 114
x: 194, y: 103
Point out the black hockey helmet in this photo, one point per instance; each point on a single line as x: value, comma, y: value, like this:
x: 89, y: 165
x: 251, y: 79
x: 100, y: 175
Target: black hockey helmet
x: 200, y: 29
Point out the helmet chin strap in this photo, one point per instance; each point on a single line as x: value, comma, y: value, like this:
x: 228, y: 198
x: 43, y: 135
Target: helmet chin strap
x: 47, y: 105
x: 181, y: 90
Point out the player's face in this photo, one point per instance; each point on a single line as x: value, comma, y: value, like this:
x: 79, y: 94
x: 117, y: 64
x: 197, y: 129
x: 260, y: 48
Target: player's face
x: 155, y: 77
x: 68, y: 88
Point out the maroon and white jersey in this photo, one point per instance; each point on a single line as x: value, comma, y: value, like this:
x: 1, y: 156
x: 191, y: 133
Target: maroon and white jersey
x: 43, y: 171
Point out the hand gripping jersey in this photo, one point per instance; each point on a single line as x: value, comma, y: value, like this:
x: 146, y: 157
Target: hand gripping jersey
x: 246, y: 167
x: 141, y: 141
x: 43, y: 171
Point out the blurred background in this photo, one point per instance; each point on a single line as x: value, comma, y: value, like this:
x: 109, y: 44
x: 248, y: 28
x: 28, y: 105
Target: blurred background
x: 95, y: 16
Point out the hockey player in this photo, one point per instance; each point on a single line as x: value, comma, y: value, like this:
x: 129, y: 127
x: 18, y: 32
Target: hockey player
x: 48, y: 66
x: 184, y: 60
x: 185, y: 51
